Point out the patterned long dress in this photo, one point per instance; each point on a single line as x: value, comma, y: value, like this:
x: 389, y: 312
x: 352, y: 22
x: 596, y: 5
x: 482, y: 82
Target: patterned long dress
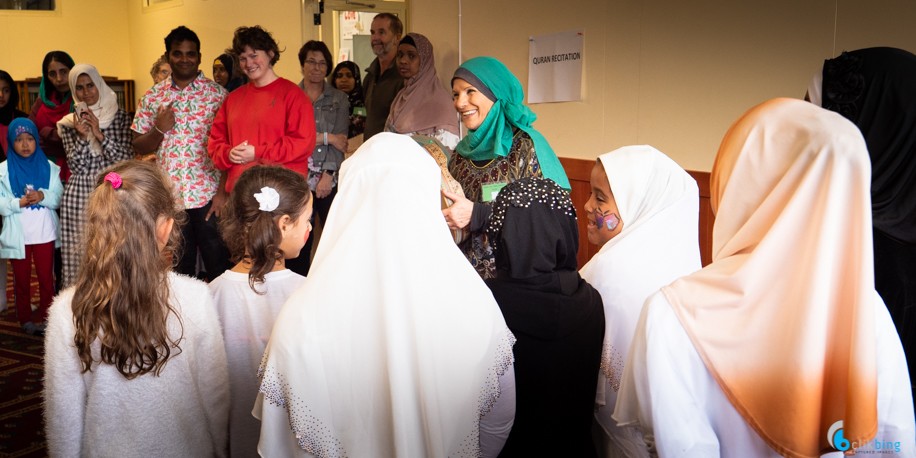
x: 521, y: 162
x: 85, y: 167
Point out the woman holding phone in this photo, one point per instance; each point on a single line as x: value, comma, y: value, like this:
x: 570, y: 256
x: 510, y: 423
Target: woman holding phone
x: 95, y: 136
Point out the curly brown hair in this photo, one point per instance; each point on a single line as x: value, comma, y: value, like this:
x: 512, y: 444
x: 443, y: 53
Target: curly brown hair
x: 252, y: 234
x: 121, y: 295
x: 255, y: 38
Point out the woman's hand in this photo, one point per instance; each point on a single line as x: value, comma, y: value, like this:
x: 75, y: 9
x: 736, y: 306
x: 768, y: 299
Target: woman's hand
x: 323, y: 188
x: 81, y: 124
x: 88, y: 125
x: 242, y: 153
x: 458, y: 216
x: 338, y: 141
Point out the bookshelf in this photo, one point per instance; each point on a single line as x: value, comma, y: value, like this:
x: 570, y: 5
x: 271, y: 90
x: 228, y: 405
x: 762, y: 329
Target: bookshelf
x: 124, y: 89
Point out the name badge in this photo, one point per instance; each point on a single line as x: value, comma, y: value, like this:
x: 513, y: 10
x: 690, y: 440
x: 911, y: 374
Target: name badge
x: 489, y: 191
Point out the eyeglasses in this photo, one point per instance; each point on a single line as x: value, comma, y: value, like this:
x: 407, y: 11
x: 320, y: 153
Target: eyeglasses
x: 316, y: 64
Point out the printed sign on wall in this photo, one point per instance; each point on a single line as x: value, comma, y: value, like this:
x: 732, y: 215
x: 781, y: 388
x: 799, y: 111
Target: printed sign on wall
x: 555, y: 67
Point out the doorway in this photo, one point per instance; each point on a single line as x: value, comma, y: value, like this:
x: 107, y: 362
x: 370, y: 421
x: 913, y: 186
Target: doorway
x: 345, y: 27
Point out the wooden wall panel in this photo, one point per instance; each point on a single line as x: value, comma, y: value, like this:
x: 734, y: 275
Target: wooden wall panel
x: 579, y: 170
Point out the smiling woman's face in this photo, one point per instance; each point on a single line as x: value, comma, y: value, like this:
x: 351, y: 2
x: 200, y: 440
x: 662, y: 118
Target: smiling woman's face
x: 470, y: 103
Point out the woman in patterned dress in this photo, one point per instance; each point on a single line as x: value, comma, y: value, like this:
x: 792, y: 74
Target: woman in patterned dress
x: 501, y: 146
x: 95, y: 136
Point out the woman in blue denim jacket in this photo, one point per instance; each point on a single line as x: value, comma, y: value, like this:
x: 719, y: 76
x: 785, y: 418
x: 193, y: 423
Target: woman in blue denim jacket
x: 332, y: 121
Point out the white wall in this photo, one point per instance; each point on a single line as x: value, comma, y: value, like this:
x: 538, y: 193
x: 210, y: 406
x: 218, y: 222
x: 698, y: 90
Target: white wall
x: 669, y: 73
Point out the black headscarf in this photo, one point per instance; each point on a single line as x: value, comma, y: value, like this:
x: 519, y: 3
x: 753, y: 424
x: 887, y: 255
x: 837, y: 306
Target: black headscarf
x: 557, y: 317
x: 876, y: 89
x: 236, y: 77
x: 355, y: 96
x: 10, y: 111
x: 534, y: 229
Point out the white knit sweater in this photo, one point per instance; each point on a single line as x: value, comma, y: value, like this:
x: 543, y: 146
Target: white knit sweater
x: 181, y: 412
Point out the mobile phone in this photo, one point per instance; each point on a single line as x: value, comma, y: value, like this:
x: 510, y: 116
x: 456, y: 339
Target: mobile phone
x: 29, y: 189
x: 81, y: 108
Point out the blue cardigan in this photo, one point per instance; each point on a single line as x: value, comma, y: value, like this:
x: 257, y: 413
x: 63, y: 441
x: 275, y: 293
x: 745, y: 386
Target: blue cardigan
x: 12, y: 245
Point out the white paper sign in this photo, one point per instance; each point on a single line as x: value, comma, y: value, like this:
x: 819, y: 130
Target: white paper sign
x: 555, y: 67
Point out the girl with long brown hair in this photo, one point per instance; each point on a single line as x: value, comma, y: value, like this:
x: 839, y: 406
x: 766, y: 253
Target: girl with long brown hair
x: 134, y: 351
x: 265, y: 222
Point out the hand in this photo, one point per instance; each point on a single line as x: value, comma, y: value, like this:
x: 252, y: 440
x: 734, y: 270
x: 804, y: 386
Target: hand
x: 217, y: 204
x: 165, y: 117
x: 24, y: 202
x: 93, y: 123
x: 458, y: 216
x: 338, y: 141
x: 81, y: 124
x: 242, y: 153
x: 323, y: 189
x: 34, y: 197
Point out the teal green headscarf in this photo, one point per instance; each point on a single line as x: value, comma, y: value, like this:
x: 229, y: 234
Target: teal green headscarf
x: 494, y: 135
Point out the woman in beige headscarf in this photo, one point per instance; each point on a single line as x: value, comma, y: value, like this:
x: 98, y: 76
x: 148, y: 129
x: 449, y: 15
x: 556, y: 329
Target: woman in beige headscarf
x: 766, y: 350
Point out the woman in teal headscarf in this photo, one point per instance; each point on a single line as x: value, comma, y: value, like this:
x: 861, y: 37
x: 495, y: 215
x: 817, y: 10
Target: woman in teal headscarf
x: 501, y: 147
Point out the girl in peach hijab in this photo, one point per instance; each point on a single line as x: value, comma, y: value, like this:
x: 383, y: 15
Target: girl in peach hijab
x: 780, y: 346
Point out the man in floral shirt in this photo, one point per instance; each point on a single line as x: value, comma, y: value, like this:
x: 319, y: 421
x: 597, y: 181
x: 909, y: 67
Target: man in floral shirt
x: 173, y: 122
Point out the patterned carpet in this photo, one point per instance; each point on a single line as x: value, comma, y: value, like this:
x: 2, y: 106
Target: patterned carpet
x: 21, y: 427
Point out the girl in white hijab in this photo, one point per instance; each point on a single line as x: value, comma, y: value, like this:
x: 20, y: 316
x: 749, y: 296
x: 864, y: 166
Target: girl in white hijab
x: 393, y: 346
x: 643, y: 211
x: 780, y: 346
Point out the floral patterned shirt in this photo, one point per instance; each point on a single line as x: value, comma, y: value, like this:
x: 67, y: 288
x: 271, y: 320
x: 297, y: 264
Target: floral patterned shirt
x: 183, y: 151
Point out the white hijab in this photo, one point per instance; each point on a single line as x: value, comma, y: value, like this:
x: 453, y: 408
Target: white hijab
x: 393, y: 345
x: 659, y: 207
x: 105, y: 109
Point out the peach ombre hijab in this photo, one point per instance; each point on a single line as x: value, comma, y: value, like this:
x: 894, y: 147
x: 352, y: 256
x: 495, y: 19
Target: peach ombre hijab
x: 784, y: 316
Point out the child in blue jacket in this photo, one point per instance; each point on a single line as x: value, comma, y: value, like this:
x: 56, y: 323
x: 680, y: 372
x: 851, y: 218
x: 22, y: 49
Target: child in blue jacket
x: 30, y: 191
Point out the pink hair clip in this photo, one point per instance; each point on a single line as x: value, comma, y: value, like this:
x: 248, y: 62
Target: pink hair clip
x: 114, y: 179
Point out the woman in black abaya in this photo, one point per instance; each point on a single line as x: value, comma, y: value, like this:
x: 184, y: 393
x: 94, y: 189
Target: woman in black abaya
x: 557, y: 317
x: 874, y: 88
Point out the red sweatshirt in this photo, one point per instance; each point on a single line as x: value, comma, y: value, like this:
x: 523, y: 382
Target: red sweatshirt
x: 276, y: 119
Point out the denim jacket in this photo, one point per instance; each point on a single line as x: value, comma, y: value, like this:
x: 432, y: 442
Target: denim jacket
x: 332, y: 115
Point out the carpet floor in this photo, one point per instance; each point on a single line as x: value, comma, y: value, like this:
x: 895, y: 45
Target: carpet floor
x: 21, y: 374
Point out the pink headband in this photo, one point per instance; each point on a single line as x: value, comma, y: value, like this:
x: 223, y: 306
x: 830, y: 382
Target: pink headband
x: 114, y: 179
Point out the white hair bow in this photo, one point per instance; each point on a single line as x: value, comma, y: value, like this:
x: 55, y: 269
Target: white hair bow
x: 268, y: 198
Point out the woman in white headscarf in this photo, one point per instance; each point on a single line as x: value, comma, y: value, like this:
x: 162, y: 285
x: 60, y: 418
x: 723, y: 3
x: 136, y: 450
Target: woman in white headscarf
x: 95, y: 136
x: 780, y: 346
x: 393, y: 346
x: 643, y: 212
